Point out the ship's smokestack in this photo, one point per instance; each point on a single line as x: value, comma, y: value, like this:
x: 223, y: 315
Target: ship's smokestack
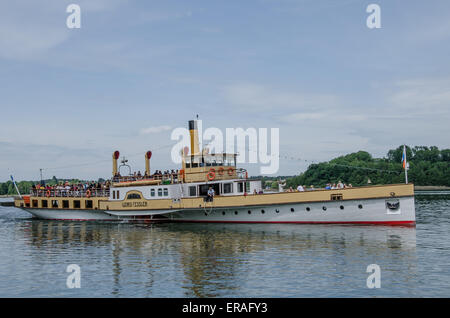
x: 115, y: 156
x: 193, y: 131
x: 148, y: 155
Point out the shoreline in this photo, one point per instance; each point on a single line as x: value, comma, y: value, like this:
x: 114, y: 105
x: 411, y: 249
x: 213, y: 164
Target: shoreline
x: 430, y: 188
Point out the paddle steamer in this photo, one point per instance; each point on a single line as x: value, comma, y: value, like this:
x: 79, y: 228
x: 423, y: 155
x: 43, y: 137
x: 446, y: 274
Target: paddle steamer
x: 182, y: 197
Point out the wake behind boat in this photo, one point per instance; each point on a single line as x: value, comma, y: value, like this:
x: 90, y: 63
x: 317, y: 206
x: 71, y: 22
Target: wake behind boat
x: 211, y: 188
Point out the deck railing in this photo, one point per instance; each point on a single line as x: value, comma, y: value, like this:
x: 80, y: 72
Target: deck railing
x: 172, y: 177
x: 96, y: 193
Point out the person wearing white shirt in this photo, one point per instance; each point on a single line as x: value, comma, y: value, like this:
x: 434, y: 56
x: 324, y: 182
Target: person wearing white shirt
x: 300, y: 188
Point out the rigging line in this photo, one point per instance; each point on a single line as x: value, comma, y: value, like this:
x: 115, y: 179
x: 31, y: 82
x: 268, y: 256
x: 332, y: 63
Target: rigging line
x: 364, y: 168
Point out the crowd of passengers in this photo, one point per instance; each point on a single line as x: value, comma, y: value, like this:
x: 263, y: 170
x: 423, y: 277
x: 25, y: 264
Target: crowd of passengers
x: 329, y: 186
x: 67, y: 189
x: 158, y: 175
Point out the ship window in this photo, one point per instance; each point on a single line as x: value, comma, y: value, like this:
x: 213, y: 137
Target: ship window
x: 44, y: 203
x: 336, y: 197
x: 223, y: 212
x: 192, y: 191
x: 65, y: 204
x: 54, y: 203
x: 117, y: 195
x: 247, y: 187
x: 341, y: 207
x: 240, y: 187
x: 324, y: 208
x: 76, y: 204
x: 360, y: 206
x: 236, y: 212
x: 277, y: 211
x: 308, y: 209
x: 227, y: 188
x: 262, y: 211
x: 152, y: 192
x: 134, y: 196
x: 292, y: 209
x: 89, y: 204
x: 249, y: 212
x: 34, y: 203
x: 160, y: 192
x: 114, y: 195
x: 166, y: 192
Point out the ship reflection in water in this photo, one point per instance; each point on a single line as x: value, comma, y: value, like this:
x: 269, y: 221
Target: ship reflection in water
x: 218, y: 260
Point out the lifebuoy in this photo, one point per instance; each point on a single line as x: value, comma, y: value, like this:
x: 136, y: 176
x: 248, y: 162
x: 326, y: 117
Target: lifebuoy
x: 88, y: 193
x: 48, y: 193
x: 230, y: 171
x: 221, y: 171
x: 211, y: 174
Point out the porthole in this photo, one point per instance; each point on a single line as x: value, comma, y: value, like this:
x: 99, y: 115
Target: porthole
x: 223, y: 212
x: 341, y: 207
x: 292, y: 209
x: 277, y: 211
x: 236, y: 212
x: 360, y: 206
x: 308, y: 209
x: 206, y: 214
x: 262, y: 211
x: 249, y: 212
x: 324, y: 208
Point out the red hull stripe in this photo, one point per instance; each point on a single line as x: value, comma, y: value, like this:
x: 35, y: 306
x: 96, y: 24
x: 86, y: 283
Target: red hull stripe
x: 391, y: 223
x: 401, y: 223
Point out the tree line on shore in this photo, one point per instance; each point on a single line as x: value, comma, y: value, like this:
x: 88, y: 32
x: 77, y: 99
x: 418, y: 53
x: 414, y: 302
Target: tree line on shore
x: 427, y: 166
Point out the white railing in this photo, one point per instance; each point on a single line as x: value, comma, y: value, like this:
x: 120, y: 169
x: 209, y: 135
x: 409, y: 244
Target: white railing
x: 70, y: 193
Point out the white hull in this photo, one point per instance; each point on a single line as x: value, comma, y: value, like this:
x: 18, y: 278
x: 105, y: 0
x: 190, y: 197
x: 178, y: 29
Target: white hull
x: 368, y: 211
x: 72, y: 215
x: 373, y: 211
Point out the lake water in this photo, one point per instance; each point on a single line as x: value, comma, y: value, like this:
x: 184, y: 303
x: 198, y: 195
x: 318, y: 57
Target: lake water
x: 226, y: 260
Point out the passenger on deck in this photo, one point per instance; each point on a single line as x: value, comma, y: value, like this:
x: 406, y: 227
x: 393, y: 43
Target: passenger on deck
x: 211, y: 194
x: 300, y: 188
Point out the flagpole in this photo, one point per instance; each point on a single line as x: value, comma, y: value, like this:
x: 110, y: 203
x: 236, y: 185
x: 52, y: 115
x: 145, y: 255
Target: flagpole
x: 17, y: 189
x: 406, y: 165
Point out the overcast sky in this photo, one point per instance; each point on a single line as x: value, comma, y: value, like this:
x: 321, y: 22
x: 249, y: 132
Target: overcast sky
x: 136, y: 70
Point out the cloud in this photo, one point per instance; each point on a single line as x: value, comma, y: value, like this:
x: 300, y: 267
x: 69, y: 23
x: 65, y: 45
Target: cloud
x: 30, y: 29
x: 421, y: 95
x: 252, y: 96
x: 154, y: 129
x: 324, y: 117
